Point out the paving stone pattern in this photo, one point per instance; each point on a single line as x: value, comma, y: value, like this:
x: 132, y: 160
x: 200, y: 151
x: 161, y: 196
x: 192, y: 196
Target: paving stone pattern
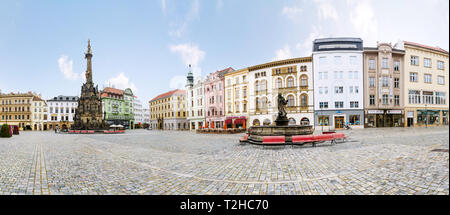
x: 392, y: 161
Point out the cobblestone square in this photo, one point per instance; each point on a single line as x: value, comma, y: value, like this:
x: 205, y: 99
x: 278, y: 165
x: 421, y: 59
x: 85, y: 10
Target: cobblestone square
x: 388, y: 161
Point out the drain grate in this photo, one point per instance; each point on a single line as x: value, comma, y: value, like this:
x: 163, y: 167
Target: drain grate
x: 439, y: 150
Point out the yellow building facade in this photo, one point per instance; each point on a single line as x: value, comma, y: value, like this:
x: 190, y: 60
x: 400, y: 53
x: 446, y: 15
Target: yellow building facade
x: 426, y: 86
x: 15, y: 109
x: 236, y: 98
x: 168, y: 111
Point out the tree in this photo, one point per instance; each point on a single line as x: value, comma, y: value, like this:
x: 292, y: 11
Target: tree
x: 4, y: 131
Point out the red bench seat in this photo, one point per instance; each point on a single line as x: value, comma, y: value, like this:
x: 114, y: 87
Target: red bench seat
x: 244, y: 138
x: 269, y: 140
x: 302, y: 139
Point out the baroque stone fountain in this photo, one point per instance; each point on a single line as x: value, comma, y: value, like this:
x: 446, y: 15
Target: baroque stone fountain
x: 281, y: 127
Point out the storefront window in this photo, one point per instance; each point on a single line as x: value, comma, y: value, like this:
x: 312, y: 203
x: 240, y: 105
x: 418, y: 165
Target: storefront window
x: 324, y: 120
x: 354, y: 120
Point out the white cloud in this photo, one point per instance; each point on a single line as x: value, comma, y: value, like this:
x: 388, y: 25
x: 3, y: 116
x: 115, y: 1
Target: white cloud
x: 163, y: 6
x: 66, y: 67
x: 363, y: 20
x: 190, y: 55
x: 292, y: 12
x: 219, y: 4
x: 121, y: 82
x: 190, y: 16
x: 326, y: 10
x: 284, y: 53
x: 305, y: 47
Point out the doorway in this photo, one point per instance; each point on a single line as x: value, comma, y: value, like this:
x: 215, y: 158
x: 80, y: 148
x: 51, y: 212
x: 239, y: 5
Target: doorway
x: 410, y: 122
x: 339, y: 122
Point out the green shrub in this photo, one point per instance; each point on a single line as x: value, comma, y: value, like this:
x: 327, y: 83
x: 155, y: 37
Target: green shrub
x: 4, y: 131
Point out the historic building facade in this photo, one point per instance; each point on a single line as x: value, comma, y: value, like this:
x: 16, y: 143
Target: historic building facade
x: 383, y: 86
x: 338, y: 82
x: 89, y: 114
x: 118, y: 107
x: 168, y: 111
x: 195, y: 102
x: 60, y: 112
x: 138, y: 113
x: 215, y: 98
x: 237, y: 98
x: 16, y: 109
x: 426, y: 84
x: 293, y: 79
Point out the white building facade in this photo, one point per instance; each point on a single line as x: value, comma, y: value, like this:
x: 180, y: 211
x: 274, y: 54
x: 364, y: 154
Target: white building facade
x: 138, y: 112
x: 292, y: 78
x: 61, y: 111
x: 195, y: 102
x: 338, y: 83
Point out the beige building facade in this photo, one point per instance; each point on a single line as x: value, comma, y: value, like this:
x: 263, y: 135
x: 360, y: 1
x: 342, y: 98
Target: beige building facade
x: 237, y: 99
x: 17, y: 109
x: 383, y: 86
x: 426, y: 85
x: 168, y: 111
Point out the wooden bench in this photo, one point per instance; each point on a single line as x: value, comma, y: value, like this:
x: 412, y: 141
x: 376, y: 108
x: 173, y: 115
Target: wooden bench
x: 274, y: 140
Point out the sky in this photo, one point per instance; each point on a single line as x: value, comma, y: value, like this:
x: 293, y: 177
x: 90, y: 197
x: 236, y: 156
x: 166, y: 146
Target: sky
x: 148, y: 45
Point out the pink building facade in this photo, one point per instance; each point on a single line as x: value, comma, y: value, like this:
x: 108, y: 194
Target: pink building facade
x: 215, y: 98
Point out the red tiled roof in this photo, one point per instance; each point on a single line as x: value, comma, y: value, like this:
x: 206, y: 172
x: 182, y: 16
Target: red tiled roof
x: 170, y: 93
x: 225, y: 69
x: 426, y: 47
x: 112, y: 91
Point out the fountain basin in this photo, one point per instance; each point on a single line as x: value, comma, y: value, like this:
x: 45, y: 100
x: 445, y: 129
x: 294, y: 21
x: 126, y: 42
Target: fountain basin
x: 258, y: 132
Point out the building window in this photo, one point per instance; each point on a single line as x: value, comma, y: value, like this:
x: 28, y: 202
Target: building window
x: 440, y: 98
x: 354, y: 119
x: 371, y: 64
x: 384, y: 63
x: 396, y: 82
x: 326, y: 90
x: 324, y: 120
x: 338, y: 104
x: 385, y: 99
x: 290, y: 82
x: 291, y: 101
x: 338, y: 90
x: 350, y: 89
x: 414, y: 60
x: 354, y: 104
x: 428, y: 97
x: 320, y: 90
x: 441, y: 80
x: 352, y: 60
x: 372, y: 99
x: 385, y: 81
x: 413, y: 76
x: 427, y: 62
x: 427, y: 78
x: 337, y: 60
x: 396, y: 100
x: 304, y: 81
x: 279, y: 83
x: 440, y: 64
x: 396, y: 65
x: 290, y: 70
x: 371, y: 82
x: 323, y: 105
x: 304, y: 100
x: 323, y: 60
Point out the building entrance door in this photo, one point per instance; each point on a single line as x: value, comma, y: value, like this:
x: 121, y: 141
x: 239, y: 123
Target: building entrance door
x: 410, y: 122
x: 339, y: 122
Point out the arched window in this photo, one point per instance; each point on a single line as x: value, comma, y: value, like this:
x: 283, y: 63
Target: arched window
x: 304, y: 100
x: 292, y: 121
x: 263, y: 102
x: 263, y: 85
x: 304, y: 121
x: 291, y: 101
x: 279, y: 83
x: 290, y: 82
x: 256, y: 85
x: 256, y: 122
x: 266, y: 122
x: 257, y: 103
x: 303, y: 81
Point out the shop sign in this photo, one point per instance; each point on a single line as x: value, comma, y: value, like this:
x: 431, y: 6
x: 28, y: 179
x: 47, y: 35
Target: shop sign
x: 394, y: 112
x: 375, y: 111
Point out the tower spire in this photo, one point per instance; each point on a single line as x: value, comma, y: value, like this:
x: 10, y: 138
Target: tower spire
x: 88, y: 57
